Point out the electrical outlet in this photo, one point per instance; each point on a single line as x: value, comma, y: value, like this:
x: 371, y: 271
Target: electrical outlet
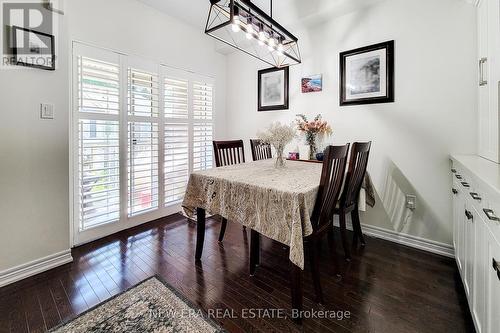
x: 46, y: 111
x: 411, y: 202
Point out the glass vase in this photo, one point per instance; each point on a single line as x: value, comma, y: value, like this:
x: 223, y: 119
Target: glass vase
x: 313, y: 148
x: 280, y: 159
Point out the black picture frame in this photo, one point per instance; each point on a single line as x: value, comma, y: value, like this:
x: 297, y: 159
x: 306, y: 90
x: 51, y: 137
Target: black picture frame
x: 283, y: 106
x: 15, y: 50
x: 389, y: 74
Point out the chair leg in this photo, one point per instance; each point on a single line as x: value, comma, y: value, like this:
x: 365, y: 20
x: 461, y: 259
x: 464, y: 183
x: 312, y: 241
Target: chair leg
x: 222, y: 229
x: 313, y: 257
x: 332, y: 248
x: 297, y: 292
x: 343, y: 234
x: 254, y: 251
x: 356, y: 225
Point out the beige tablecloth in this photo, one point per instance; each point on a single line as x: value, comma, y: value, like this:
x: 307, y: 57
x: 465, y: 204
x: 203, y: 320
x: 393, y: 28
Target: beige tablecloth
x: 277, y: 203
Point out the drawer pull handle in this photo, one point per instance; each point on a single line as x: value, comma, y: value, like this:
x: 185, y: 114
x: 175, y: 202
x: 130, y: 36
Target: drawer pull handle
x: 465, y: 184
x: 482, y: 80
x: 496, y: 267
x: 454, y: 191
x: 458, y: 176
x: 491, y: 215
x: 454, y: 170
x: 469, y: 215
x: 475, y: 196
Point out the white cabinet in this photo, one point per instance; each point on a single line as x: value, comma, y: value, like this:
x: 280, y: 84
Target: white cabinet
x: 479, y: 299
x: 476, y: 235
x: 488, y: 29
x: 458, y: 228
x: 493, y: 286
x: 469, y: 250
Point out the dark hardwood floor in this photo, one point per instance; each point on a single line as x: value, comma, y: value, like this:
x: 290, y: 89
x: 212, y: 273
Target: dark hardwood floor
x: 386, y: 287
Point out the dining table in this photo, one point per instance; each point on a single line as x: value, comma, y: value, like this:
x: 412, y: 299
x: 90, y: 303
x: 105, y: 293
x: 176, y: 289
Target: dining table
x: 273, y: 202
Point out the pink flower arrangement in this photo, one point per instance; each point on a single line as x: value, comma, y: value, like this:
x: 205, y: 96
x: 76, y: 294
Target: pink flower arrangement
x: 312, y: 130
x: 316, y: 127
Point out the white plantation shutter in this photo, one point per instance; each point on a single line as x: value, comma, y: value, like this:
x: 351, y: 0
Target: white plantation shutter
x: 176, y: 161
x: 99, y: 172
x: 143, y: 141
x: 176, y: 98
x: 202, y: 125
x: 176, y: 164
x: 97, y: 146
x: 139, y: 129
x: 98, y: 86
x: 202, y: 101
x: 202, y: 146
x: 143, y: 95
x: 142, y: 167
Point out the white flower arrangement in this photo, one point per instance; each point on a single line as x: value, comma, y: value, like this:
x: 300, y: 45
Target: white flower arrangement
x: 278, y: 135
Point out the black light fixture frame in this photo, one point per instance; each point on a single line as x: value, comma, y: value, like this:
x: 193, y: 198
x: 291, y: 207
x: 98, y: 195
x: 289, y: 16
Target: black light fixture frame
x: 263, y: 17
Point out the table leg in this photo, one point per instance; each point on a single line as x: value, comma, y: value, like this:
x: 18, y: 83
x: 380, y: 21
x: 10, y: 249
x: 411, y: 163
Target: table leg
x: 200, y: 232
x: 254, y: 251
x: 296, y: 288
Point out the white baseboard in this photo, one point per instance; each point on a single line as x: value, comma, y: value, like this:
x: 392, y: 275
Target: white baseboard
x: 34, y: 267
x: 408, y: 240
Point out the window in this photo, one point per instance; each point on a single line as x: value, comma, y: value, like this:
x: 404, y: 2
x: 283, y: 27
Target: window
x: 139, y: 130
x: 98, y: 198
x: 202, y: 125
x: 176, y: 138
x: 143, y: 109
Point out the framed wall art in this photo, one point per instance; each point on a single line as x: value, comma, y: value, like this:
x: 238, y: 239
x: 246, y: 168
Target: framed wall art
x: 33, y: 48
x: 273, y: 89
x: 312, y: 83
x: 367, y: 75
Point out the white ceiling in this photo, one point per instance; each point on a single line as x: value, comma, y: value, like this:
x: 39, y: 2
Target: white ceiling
x: 286, y: 12
x: 289, y: 13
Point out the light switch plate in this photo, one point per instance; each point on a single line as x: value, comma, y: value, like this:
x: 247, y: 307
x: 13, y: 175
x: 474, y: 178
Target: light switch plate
x: 46, y: 111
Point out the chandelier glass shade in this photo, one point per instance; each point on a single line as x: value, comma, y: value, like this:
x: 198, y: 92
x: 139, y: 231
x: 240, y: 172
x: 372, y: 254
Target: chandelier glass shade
x: 244, y: 26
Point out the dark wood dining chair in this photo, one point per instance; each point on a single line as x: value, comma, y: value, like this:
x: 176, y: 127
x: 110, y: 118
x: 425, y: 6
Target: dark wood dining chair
x: 228, y: 153
x: 260, y: 150
x: 348, y: 202
x: 332, y: 177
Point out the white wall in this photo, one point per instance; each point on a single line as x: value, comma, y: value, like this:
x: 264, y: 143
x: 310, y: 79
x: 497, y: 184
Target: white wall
x: 34, y: 154
x: 434, y: 112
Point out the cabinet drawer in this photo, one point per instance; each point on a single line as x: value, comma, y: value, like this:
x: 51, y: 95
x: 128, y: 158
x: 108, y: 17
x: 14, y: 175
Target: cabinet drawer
x: 492, y: 218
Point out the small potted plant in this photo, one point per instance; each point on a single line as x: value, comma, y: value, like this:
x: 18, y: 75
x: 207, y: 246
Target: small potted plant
x: 278, y: 136
x: 313, y: 131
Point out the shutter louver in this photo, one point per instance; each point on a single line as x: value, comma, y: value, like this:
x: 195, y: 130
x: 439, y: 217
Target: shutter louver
x: 203, y: 126
x: 202, y: 146
x: 98, y: 86
x: 202, y: 101
x: 176, y: 139
x: 176, y: 99
x: 176, y: 161
x: 99, y: 172
x: 142, y: 167
x: 142, y: 94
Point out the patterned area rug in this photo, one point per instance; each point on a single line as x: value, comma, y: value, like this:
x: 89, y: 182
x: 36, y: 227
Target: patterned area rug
x: 151, y: 306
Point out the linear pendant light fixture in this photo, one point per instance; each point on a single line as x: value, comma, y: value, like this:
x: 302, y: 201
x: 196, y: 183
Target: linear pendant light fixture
x: 246, y: 27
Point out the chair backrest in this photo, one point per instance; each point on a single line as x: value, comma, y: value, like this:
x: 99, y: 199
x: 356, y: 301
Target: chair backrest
x: 229, y: 152
x: 332, y: 177
x: 260, y: 150
x: 355, y: 174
